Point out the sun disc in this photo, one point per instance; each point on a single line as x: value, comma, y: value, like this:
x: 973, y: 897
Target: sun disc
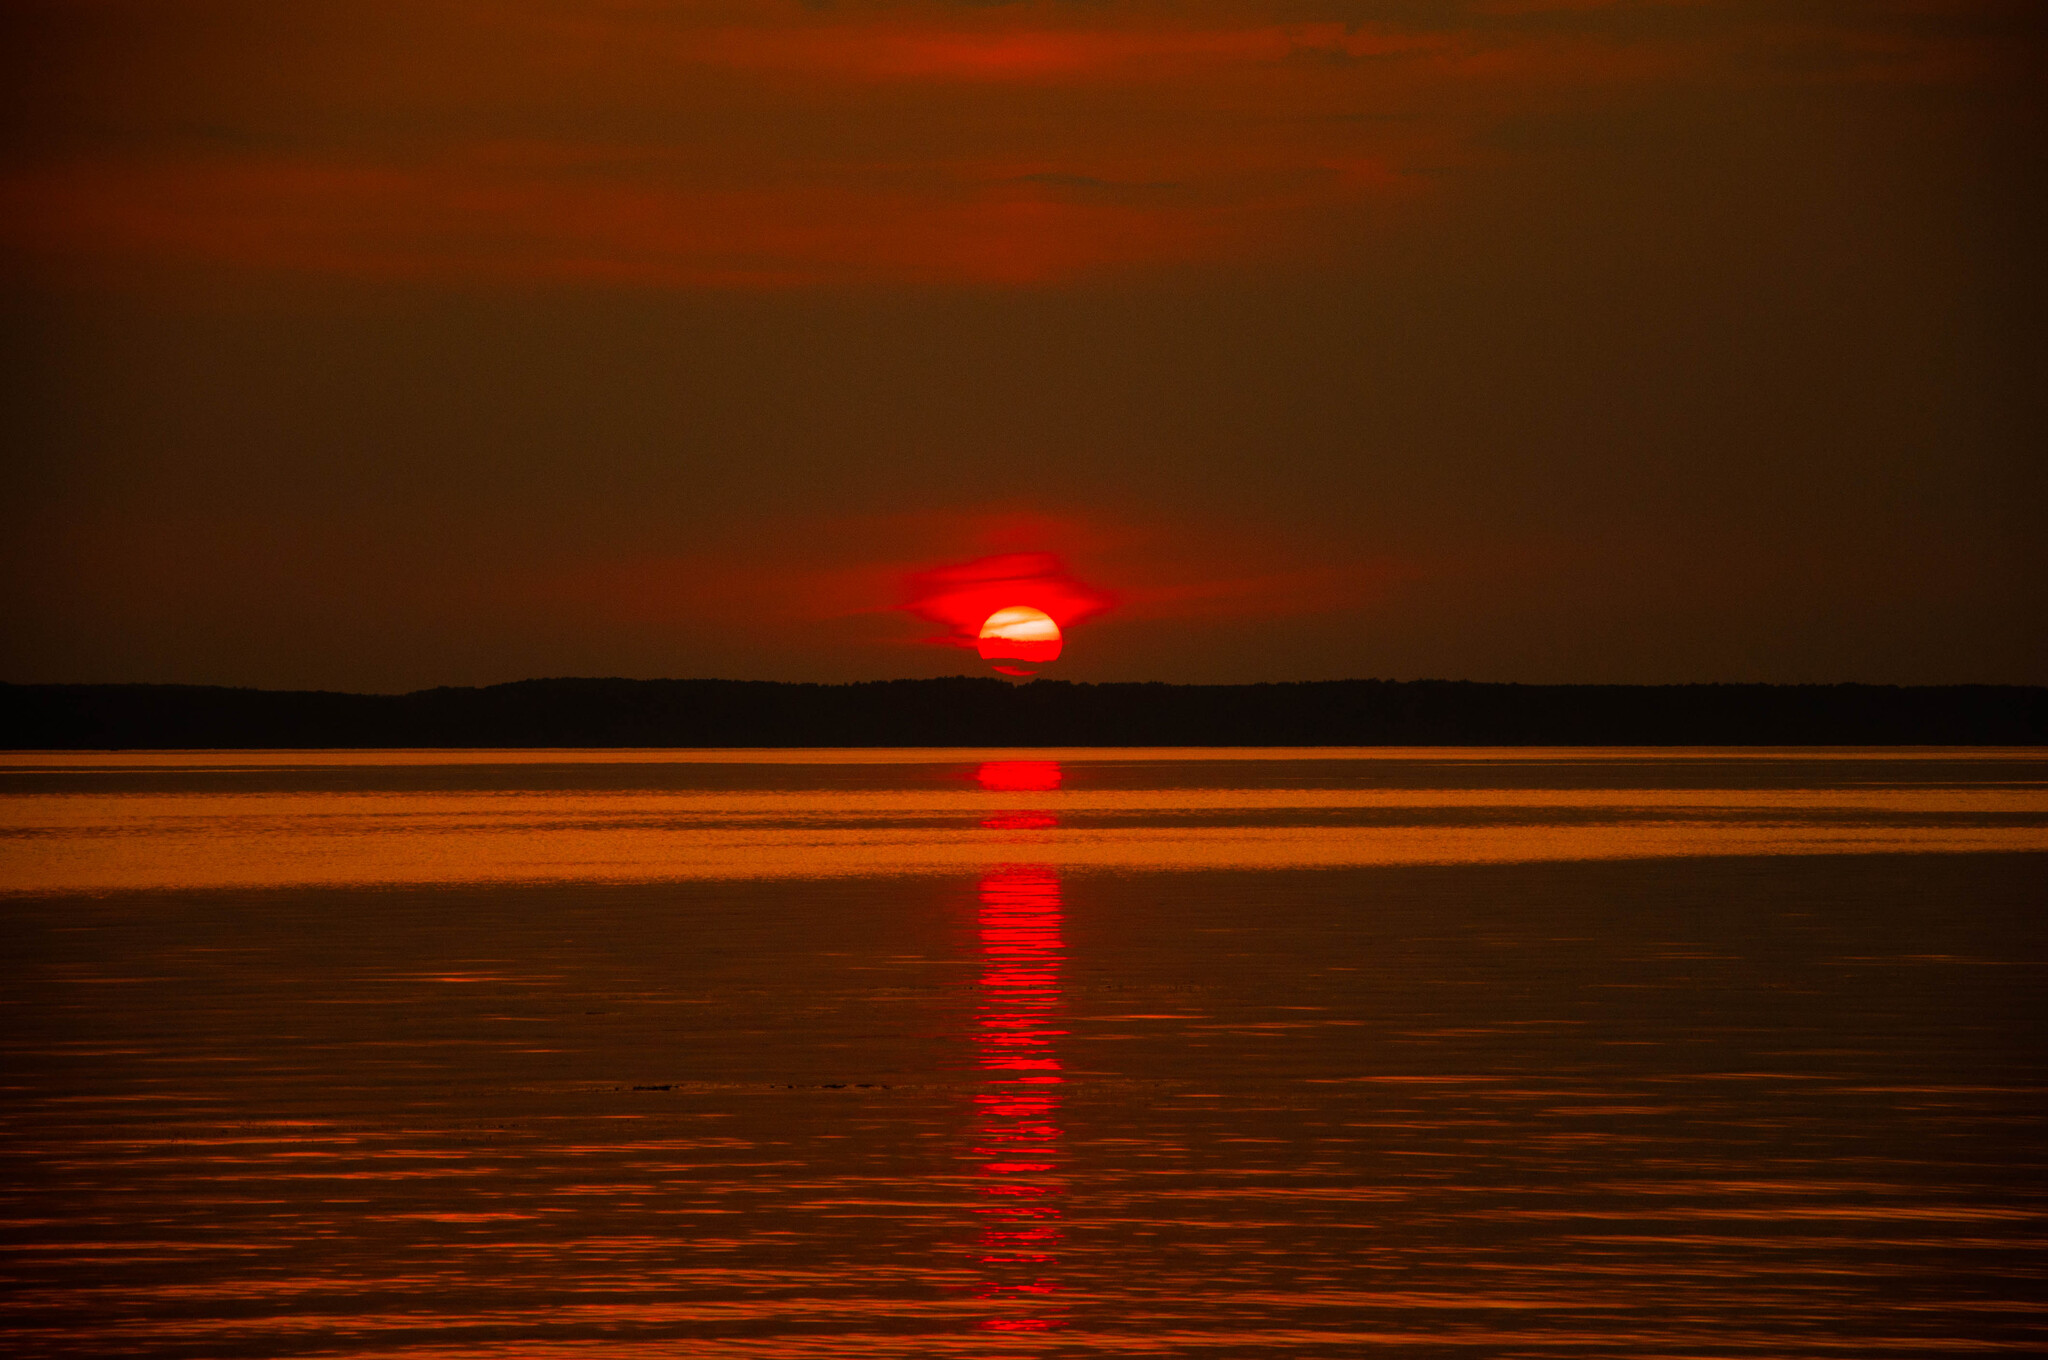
x: 1021, y: 623
x: 1018, y: 638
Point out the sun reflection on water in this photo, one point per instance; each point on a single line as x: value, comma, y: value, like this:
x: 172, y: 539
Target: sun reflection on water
x: 564, y: 1075
x: 1016, y: 1114
x: 1018, y: 776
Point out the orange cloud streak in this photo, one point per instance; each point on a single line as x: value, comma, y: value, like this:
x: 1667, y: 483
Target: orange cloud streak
x: 896, y: 51
x: 748, y: 144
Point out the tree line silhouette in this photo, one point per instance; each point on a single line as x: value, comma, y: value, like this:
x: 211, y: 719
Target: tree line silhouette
x: 986, y: 712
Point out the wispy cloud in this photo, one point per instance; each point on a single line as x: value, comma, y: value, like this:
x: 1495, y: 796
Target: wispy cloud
x: 763, y: 144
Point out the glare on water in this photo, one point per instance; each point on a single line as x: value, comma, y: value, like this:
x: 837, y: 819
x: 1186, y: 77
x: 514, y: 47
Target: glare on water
x: 1299, y: 1053
x: 232, y: 820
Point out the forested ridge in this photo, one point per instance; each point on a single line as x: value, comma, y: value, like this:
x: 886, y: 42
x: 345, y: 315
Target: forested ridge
x: 987, y: 712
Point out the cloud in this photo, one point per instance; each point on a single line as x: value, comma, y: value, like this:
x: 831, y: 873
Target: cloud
x: 856, y: 580
x: 747, y: 144
x: 960, y: 596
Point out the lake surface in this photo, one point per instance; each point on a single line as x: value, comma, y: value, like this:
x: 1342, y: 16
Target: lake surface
x: 956, y: 1053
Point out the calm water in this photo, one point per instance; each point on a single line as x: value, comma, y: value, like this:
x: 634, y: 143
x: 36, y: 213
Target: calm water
x: 982, y: 1053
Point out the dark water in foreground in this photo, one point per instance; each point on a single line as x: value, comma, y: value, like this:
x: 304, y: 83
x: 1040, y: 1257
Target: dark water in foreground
x: 1778, y: 1103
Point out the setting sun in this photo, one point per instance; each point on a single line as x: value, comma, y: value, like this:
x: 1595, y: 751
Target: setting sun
x: 1018, y: 639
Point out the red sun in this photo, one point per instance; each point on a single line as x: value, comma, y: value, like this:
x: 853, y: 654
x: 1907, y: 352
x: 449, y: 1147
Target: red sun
x: 1014, y: 609
x: 1018, y: 639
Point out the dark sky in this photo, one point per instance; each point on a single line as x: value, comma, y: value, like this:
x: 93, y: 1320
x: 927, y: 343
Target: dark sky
x: 374, y: 346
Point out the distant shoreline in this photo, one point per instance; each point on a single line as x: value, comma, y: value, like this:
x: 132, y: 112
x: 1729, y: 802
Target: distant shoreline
x: 960, y: 711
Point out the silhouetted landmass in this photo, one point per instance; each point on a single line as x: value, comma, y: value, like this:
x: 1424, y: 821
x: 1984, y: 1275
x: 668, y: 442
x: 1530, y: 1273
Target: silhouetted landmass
x: 987, y: 712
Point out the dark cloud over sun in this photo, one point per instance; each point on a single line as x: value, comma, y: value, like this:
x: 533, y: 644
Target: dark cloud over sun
x: 1013, y: 608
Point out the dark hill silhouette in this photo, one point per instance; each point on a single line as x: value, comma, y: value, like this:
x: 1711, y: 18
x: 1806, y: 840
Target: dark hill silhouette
x: 986, y: 712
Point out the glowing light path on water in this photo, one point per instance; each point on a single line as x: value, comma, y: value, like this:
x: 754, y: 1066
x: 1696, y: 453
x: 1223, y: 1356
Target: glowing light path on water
x: 1016, y: 1117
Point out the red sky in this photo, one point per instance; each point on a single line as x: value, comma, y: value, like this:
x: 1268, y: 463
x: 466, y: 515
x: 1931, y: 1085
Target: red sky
x: 379, y: 345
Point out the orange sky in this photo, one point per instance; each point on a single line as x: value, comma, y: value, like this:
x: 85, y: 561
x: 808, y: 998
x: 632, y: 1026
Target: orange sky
x: 380, y: 345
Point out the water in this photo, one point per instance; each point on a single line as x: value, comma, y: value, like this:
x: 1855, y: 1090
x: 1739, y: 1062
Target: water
x: 981, y: 1053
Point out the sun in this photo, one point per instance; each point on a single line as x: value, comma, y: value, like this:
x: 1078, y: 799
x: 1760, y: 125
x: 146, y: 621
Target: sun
x: 1018, y: 639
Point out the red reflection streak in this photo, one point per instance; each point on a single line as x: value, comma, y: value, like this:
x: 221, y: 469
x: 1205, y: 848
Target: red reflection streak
x: 1019, y: 821
x: 1019, y: 776
x: 1016, y: 1130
